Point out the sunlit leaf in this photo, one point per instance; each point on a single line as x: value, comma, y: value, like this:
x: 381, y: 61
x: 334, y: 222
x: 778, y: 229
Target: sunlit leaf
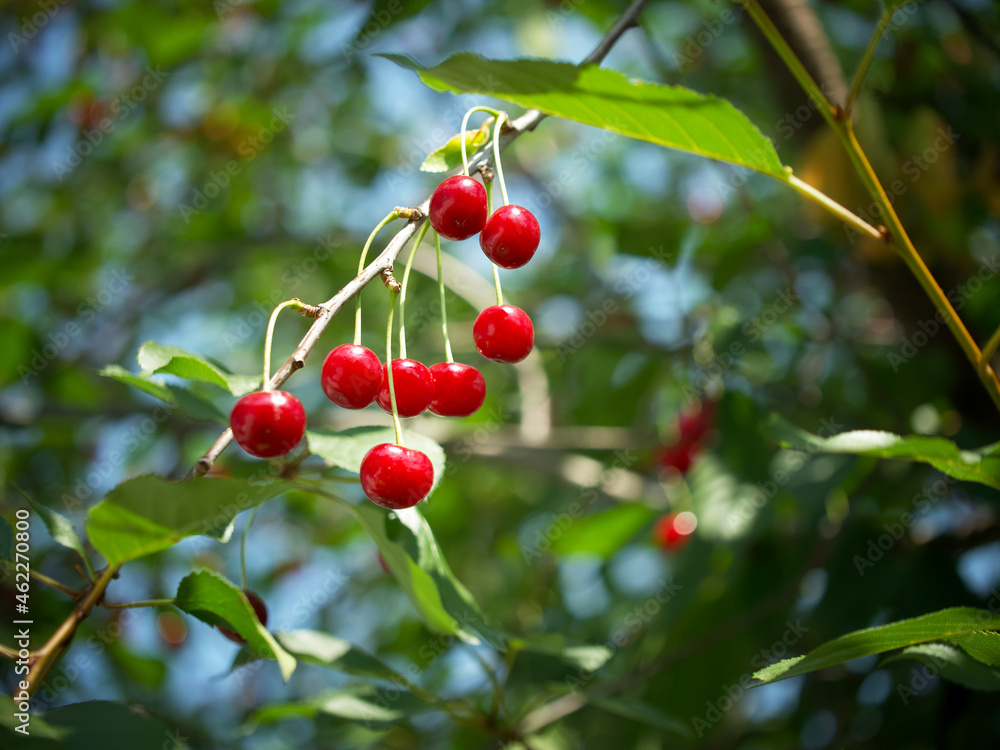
x: 156, y: 358
x: 953, y: 664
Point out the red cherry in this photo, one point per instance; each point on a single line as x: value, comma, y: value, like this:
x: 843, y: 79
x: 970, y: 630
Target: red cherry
x: 694, y: 423
x: 268, y: 423
x: 396, y: 477
x: 510, y: 236
x: 679, y: 457
x: 674, y: 530
x: 503, y: 333
x: 259, y: 609
x: 352, y: 376
x: 413, y: 384
x: 459, y: 389
x: 458, y: 208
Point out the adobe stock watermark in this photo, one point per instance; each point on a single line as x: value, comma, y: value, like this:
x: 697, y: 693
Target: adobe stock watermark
x: 373, y: 27
x: 622, y: 289
x: 694, y: 45
x: 579, y: 159
x: 734, y: 693
x: 558, y: 523
x: 250, y: 148
x: 32, y: 25
x: 120, y: 108
x: 880, y: 546
x: 86, y: 312
x: 958, y: 296
x: 765, y: 491
x: 914, y: 168
x: 752, y: 331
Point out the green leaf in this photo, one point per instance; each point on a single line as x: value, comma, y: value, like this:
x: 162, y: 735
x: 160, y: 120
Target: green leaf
x: 59, y: 527
x: 604, y: 533
x: 149, y: 514
x: 410, y: 550
x: 984, y: 646
x: 386, y: 13
x: 330, y: 651
x: 953, y: 664
x: 943, y: 625
x: 140, y: 669
x: 6, y: 540
x: 96, y: 725
x: 347, y: 448
x: 636, y: 710
x: 212, y: 599
x: 587, y: 657
x: 449, y: 156
x: 981, y: 465
x: 157, y: 390
x: 367, y: 704
x: 197, y: 407
x: 155, y: 358
x: 670, y: 116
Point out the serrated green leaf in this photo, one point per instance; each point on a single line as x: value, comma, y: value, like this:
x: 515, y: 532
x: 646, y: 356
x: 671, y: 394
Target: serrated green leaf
x: 981, y: 466
x: 149, y: 514
x: 953, y: 664
x: 636, y: 710
x: 330, y: 651
x: 59, y: 527
x: 604, y: 533
x: 670, y: 116
x: 347, y: 448
x: 449, y: 156
x: 215, y: 600
x: 984, y: 646
x: 943, y: 625
x: 410, y: 550
x: 156, y: 358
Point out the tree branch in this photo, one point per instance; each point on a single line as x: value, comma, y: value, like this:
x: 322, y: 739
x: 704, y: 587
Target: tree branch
x: 526, y: 122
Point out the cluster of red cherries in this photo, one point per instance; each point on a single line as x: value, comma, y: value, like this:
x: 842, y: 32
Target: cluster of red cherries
x: 267, y: 424
x: 672, y: 531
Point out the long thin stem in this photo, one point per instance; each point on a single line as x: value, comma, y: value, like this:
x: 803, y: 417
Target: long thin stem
x: 388, y: 368
x: 835, y: 208
x: 42, y: 578
x: 269, y: 336
x: 243, y: 548
x: 496, y: 270
x: 390, y: 217
x: 145, y: 603
x: 402, y: 292
x: 866, y: 60
x: 8, y: 652
x: 501, y: 116
x: 988, y: 351
x: 896, y: 233
x: 444, y: 307
x: 465, y: 124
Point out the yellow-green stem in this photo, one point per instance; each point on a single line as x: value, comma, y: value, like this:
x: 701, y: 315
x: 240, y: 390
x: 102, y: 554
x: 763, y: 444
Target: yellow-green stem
x: 866, y: 60
x: 465, y: 125
x: 361, y: 267
x: 444, y: 310
x: 388, y: 369
x: 297, y: 304
x: 402, y: 291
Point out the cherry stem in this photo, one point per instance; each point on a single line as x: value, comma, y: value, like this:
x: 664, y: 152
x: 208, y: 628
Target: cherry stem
x: 388, y: 369
x: 361, y: 267
x: 402, y: 293
x: 145, y: 603
x: 243, y: 548
x: 444, y: 308
x: 465, y: 125
x: 496, y: 271
x: 297, y: 304
x: 501, y: 116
